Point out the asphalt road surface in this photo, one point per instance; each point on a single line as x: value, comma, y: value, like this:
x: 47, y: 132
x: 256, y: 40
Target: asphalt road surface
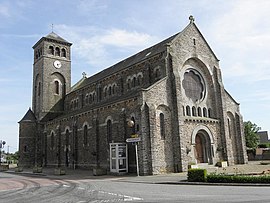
x: 36, y: 189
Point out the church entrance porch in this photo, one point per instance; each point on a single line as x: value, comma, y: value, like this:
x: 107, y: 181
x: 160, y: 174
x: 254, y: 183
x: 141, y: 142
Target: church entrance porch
x: 202, y: 142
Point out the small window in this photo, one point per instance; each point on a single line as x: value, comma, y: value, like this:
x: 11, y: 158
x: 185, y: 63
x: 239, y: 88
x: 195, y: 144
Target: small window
x: 194, y: 111
x: 110, y: 91
x: 204, y: 112
x: 56, y: 86
x: 52, y: 140
x: 57, y: 51
x: 157, y: 73
x: 113, y: 89
x: 63, y: 52
x: 134, y: 82
x: 90, y: 99
x: 105, y: 92
x: 39, y: 88
x: 85, y: 135
x: 209, y: 113
x: 25, y: 148
x: 199, y: 111
x: 188, y: 110
x: 128, y: 84
x: 162, y: 126
x: 86, y: 99
x: 51, y: 50
x: 139, y: 80
x: 109, y: 131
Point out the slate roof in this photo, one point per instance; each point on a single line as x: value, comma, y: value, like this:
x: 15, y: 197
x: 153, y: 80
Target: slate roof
x: 55, y: 36
x: 147, y: 53
x: 28, y: 117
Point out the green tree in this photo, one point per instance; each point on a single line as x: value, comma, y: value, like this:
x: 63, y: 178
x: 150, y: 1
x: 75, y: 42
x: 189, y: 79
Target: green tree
x: 250, y: 130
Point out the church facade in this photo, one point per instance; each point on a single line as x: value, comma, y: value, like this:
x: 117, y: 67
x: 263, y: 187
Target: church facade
x: 172, y: 93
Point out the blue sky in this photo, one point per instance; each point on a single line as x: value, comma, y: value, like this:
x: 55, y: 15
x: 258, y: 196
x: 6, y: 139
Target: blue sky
x: 104, y: 32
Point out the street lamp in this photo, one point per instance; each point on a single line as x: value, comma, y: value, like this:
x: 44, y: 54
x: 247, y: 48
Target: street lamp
x: 2, y: 143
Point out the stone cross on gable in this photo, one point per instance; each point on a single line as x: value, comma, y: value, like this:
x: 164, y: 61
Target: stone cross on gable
x: 191, y: 18
x: 84, y: 75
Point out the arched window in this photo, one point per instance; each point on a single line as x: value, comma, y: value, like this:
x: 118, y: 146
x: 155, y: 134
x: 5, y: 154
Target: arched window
x: 39, y: 88
x: 90, y: 99
x: 204, y: 112
x: 77, y: 103
x: 139, y: 80
x: 188, y: 110
x: 199, y: 111
x: 86, y: 99
x: 209, y: 113
x: 67, y: 137
x: 128, y: 84
x: 94, y: 96
x: 194, y: 111
x: 134, y: 82
x: 51, y: 50
x: 229, y: 127
x: 157, y: 73
x: 85, y: 135
x: 63, y: 52
x: 52, y: 140
x: 110, y: 91
x: 25, y: 148
x: 114, y: 89
x: 162, y: 126
x: 57, y: 51
x: 36, y: 54
x: 134, y: 126
x: 105, y: 92
x: 56, y: 87
x: 109, y: 131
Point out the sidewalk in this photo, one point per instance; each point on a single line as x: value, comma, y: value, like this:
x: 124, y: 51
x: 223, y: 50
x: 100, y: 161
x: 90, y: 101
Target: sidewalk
x: 253, y: 167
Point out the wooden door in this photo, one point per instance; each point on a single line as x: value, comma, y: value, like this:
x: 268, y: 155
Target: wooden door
x: 199, y: 149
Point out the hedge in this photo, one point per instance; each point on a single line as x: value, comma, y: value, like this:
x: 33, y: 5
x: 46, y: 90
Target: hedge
x: 221, y: 178
x: 197, y: 175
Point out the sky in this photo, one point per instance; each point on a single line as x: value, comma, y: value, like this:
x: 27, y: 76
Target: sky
x: 103, y: 32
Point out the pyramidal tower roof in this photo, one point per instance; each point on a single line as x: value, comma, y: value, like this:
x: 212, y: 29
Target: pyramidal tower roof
x: 55, y: 36
x: 28, y: 117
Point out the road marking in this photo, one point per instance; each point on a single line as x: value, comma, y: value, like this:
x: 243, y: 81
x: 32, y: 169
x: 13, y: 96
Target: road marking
x: 126, y: 198
x: 66, y: 185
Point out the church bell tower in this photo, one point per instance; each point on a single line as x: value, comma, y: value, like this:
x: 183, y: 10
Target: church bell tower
x: 51, y: 76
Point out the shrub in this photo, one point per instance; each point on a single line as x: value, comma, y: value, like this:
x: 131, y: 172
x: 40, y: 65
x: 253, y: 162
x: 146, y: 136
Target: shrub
x: 263, y: 145
x: 197, y: 175
x: 221, y: 178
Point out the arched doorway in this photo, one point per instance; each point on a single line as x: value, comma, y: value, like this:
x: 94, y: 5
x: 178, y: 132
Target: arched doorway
x: 199, y: 148
x: 203, y: 149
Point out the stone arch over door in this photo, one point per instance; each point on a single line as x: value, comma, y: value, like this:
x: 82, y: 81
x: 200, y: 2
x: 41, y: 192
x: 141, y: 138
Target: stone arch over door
x: 203, y: 145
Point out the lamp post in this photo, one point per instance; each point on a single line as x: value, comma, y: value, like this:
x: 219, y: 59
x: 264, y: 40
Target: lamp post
x: 131, y: 124
x: 2, y: 143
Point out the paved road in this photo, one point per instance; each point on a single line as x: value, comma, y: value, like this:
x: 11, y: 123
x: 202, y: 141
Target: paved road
x: 23, y: 189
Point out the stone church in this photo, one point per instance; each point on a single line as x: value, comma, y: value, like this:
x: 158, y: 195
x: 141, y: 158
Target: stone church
x: 171, y: 93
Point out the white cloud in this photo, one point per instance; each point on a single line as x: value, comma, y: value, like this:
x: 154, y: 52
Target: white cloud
x: 101, y: 47
x: 245, y: 31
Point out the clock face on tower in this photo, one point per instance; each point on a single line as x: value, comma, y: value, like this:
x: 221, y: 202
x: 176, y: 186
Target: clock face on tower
x: 57, y: 64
